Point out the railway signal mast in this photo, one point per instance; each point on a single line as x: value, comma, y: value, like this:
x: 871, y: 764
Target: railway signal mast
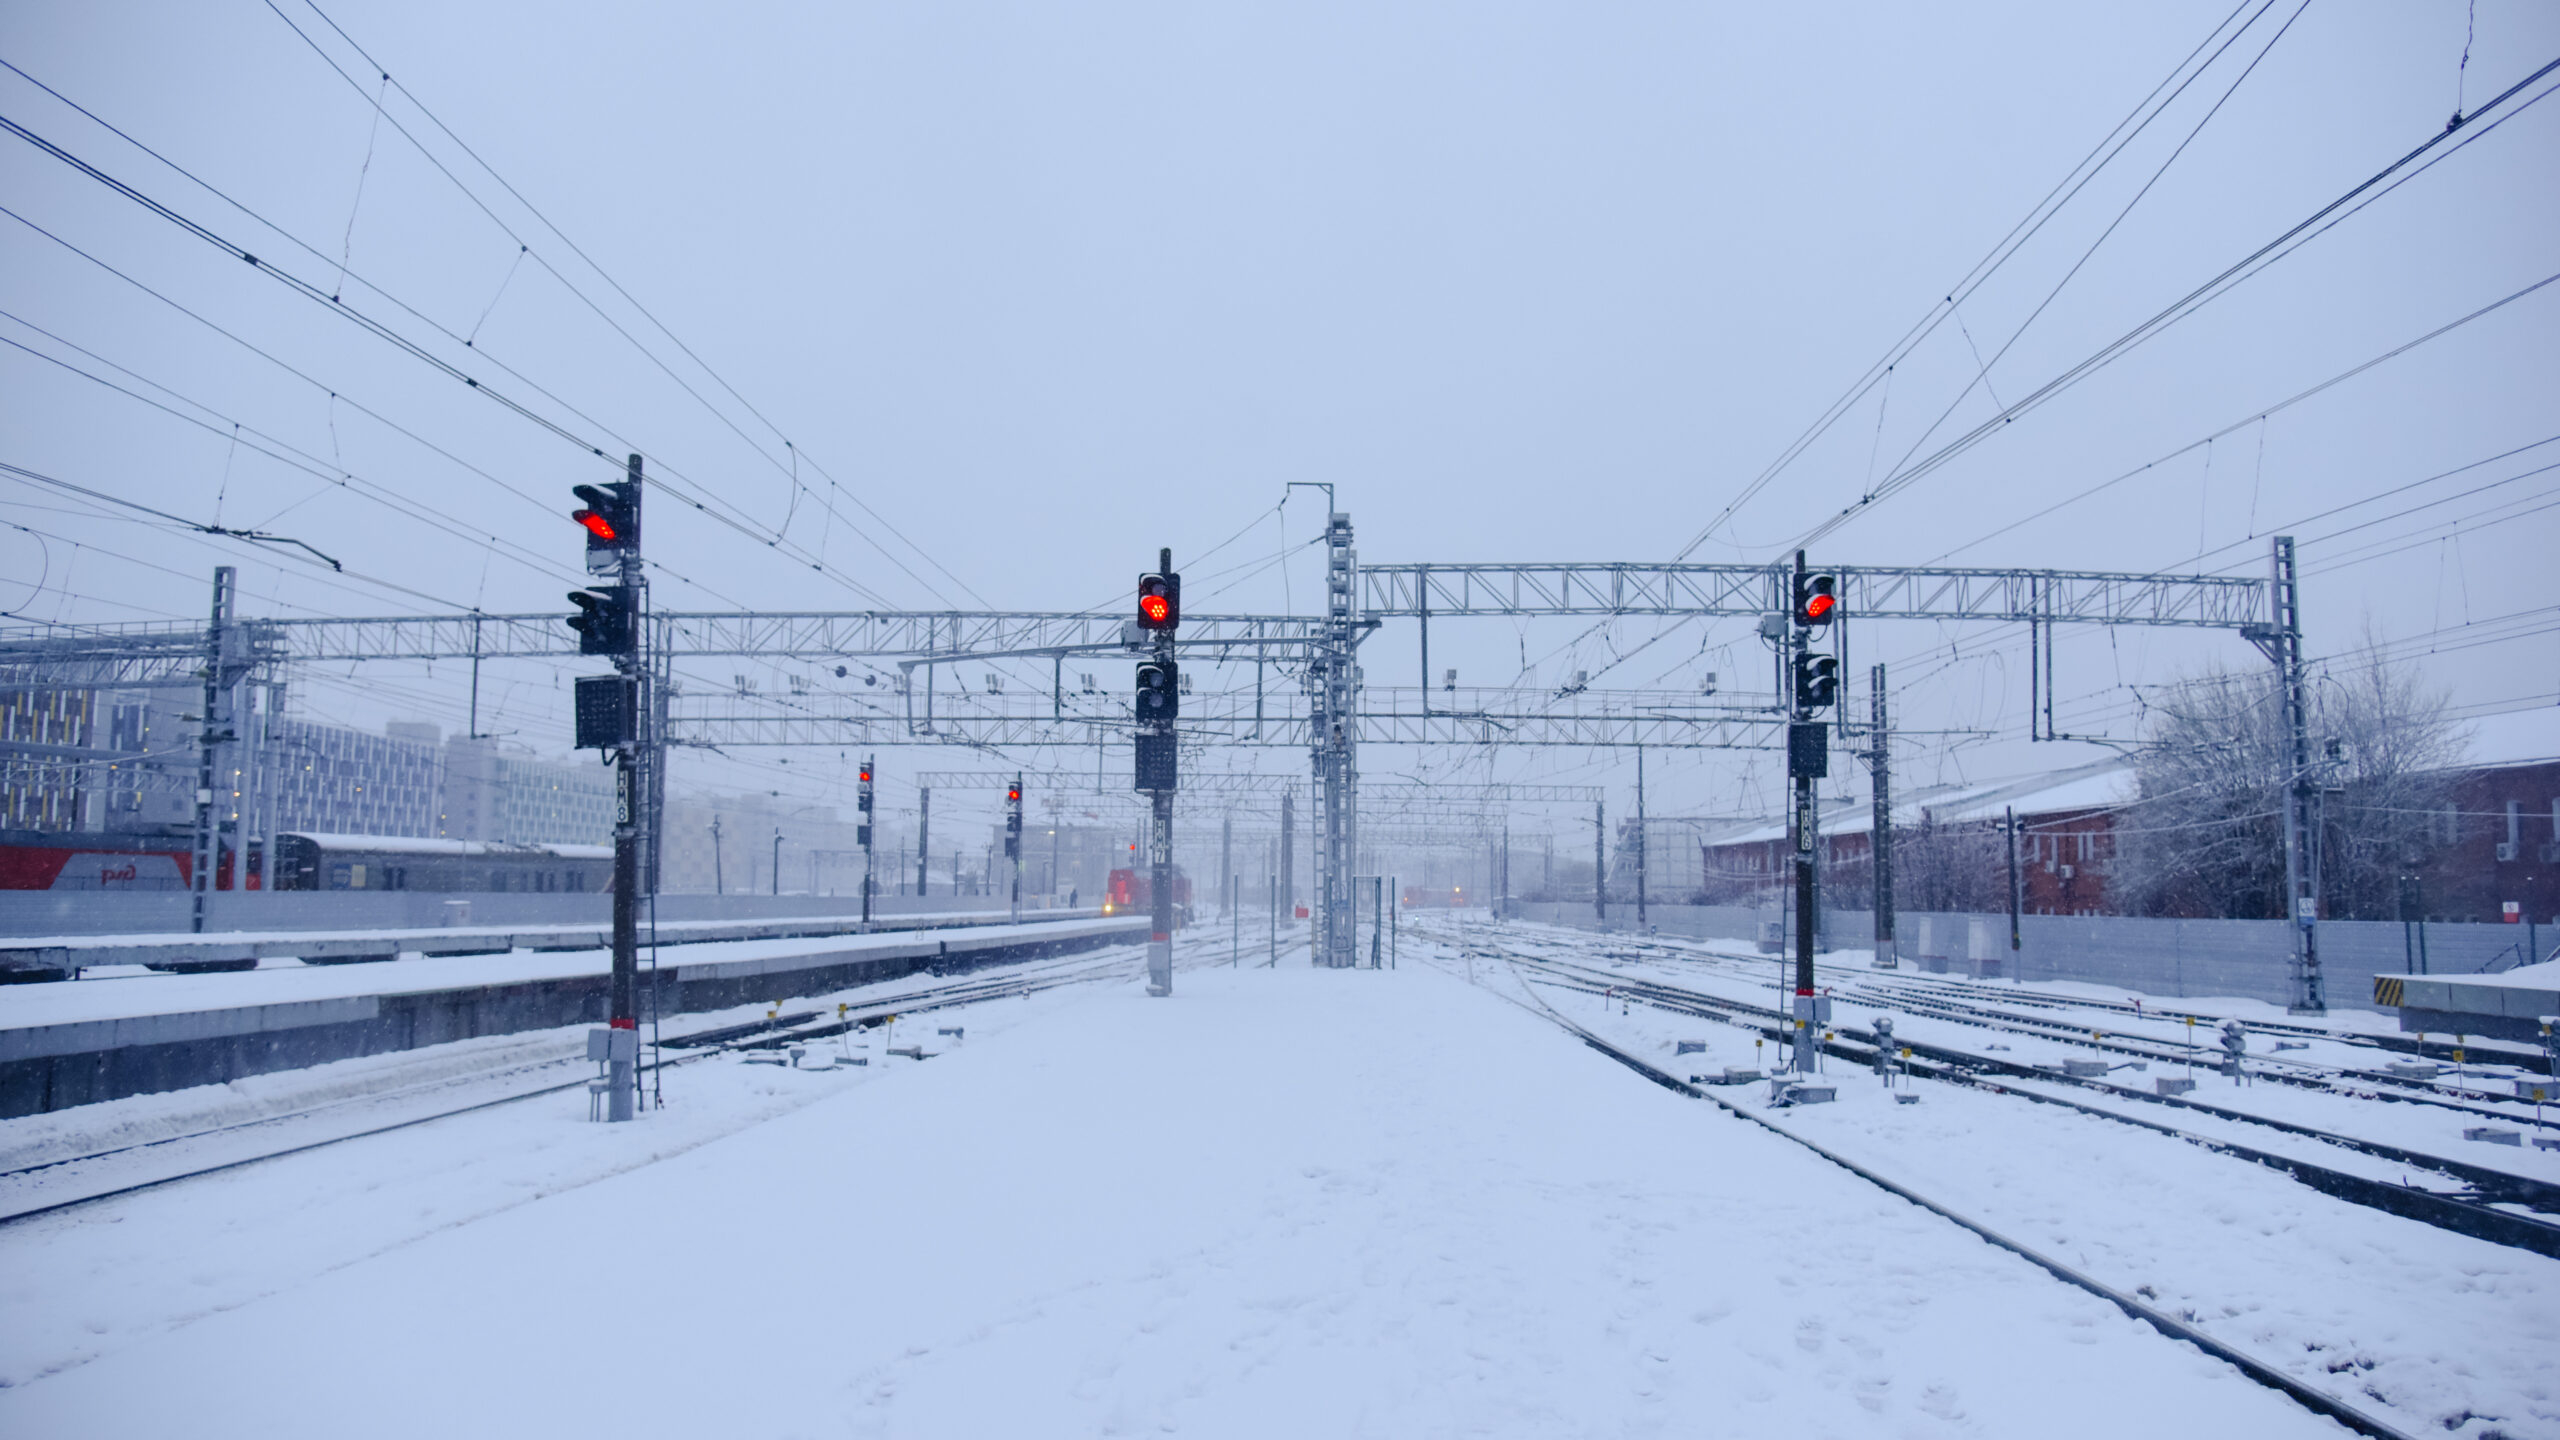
x: 608, y: 718
x: 1158, y: 705
x: 862, y: 834
x: 1814, y: 605
x: 1013, y: 839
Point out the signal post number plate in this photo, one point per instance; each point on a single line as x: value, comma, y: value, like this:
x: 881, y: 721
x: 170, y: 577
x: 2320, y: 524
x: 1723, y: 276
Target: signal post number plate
x: 621, y: 793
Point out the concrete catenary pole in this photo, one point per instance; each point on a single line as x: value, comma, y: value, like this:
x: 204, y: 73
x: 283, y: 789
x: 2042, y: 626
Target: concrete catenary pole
x: 2301, y: 830
x: 1880, y: 769
x: 1600, y: 861
x: 211, y: 735
x: 1640, y: 840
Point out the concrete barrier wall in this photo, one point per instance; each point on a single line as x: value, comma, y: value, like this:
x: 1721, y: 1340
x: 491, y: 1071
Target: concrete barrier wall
x: 48, y: 913
x: 2249, y: 958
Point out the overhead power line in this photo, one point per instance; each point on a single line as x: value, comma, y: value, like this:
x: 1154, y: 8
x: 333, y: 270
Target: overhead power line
x: 2112, y: 144
x: 2382, y: 182
x: 525, y: 247
x: 667, y: 479
x: 2245, y: 422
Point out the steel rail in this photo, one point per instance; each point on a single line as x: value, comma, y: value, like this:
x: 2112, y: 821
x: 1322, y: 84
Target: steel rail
x: 2310, y: 1397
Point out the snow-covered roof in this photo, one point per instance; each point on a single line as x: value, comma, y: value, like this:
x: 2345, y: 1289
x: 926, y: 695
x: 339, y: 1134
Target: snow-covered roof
x: 422, y: 845
x: 2515, y: 737
x: 2094, y: 786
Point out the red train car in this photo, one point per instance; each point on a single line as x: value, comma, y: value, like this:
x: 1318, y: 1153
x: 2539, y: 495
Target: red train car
x: 33, y: 860
x: 1132, y: 891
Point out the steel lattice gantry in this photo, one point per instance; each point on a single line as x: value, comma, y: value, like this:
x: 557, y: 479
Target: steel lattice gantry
x: 1338, y: 713
x: 129, y: 653
x: 1868, y: 593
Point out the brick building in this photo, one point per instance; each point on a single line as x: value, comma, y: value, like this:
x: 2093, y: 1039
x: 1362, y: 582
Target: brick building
x: 2495, y: 844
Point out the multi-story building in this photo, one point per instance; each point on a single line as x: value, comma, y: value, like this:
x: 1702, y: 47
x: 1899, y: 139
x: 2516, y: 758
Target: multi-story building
x: 337, y: 780
x: 125, y: 763
x: 494, y: 794
x: 46, y: 737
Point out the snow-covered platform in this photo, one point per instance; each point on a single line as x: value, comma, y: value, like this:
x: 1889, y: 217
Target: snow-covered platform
x: 1280, y: 1203
x: 57, y: 957
x: 2514, y: 1005
x: 80, y: 1042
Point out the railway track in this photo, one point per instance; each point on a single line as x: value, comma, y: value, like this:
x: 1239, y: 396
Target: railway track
x: 2284, y: 1070
x: 1966, y: 1004
x: 2468, y: 1203
x: 2263, y: 1373
x: 2476, y: 1051
x: 772, y: 1032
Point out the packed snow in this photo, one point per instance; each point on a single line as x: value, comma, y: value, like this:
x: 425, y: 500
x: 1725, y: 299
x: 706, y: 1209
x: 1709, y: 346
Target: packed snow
x: 1283, y: 1202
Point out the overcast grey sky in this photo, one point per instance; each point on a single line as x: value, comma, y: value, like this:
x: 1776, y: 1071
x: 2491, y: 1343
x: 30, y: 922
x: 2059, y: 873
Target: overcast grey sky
x: 1046, y: 287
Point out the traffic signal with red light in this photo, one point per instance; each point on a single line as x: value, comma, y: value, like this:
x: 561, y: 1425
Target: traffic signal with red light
x: 603, y: 621
x: 1013, y: 821
x: 1817, y: 681
x: 1817, y: 599
x: 865, y: 801
x: 1159, y: 601
x: 610, y: 514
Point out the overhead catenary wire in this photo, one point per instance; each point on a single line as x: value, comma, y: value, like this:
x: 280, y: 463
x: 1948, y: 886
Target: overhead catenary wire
x: 336, y: 396
x: 2109, y: 146
x: 2241, y: 424
x: 525, y: 248
x: 1983, y: 368
x: 683, y: 491
x: 2382, y: 182
x: 260, y: 442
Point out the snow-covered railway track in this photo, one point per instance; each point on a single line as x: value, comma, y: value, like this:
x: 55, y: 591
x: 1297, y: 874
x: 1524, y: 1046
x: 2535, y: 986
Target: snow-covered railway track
x: 2309, y: 1396
x: 2281, y: 1069
x: 2018, y: 1005
x: 2469, y: 1204
x: 1958, y: 1003
x: 769, y: 1033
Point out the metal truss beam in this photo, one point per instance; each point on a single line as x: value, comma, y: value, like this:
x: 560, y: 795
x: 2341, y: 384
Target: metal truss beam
x: 1866, y: 593
x: 117, y: 657
x: 906, y: 637
x: 1388, y: 716
x: 158, y: 653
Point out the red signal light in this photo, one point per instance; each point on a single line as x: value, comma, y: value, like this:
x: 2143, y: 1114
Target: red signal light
x: 1818, y: 606
x: 1154, y: 607
x: 1013, y: 794
x: 596, y: 524
x: 866, y: 774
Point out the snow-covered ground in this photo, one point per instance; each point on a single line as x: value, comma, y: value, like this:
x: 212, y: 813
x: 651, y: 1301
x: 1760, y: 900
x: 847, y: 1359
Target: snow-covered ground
x: 2388, y: 1116
x: 1284, y: 1202
x: 2434, y: 1332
